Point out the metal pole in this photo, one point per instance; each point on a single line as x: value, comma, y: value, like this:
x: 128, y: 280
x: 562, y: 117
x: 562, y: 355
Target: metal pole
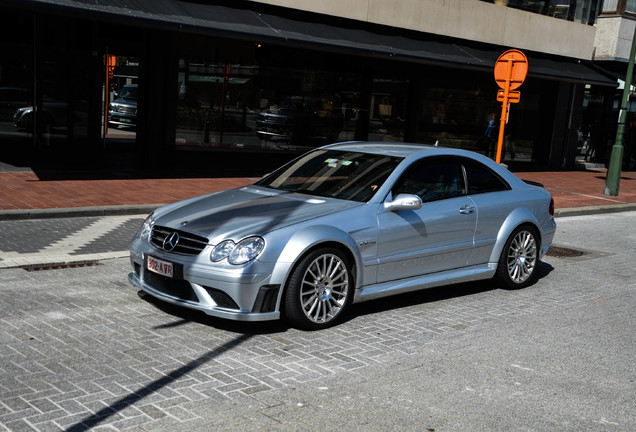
x: 616, y: 159
x: 505, y: 106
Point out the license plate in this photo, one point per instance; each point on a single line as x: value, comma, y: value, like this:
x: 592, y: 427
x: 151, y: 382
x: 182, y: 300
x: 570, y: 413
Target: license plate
x: 161, y: 267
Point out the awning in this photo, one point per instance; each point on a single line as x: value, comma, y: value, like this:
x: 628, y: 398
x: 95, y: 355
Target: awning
x: 265, y: 24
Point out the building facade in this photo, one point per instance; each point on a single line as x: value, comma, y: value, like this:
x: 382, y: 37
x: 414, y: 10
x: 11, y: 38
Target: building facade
x: 240, y: 87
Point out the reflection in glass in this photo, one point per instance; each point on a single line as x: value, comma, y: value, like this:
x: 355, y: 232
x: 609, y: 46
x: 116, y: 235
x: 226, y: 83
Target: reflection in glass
x: 232, y: 107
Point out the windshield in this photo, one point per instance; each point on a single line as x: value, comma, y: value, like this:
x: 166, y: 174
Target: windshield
x: 332, y: 173
x: 128, y: 92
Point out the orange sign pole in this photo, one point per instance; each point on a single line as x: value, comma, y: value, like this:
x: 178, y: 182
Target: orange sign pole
x: 110, y: 61
x: 106, y: 101
x: 505, y: 107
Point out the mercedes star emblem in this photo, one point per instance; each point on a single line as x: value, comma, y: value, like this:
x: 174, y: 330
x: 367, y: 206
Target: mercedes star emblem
x: 170, y: 242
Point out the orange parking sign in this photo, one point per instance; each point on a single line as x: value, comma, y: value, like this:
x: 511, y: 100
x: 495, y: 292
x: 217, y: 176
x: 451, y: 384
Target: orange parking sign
x: 510, y: 72
x: 519, y: 69
x: 513, y: 96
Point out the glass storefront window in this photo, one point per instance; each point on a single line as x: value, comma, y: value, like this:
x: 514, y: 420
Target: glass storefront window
x: 466, y: 115
x: 261, y: 105
x: 264, y: 100
x: 235, y: 106
x: 388, y: 110
x: 456, y: 117
x: 581, y: 11
x: 610, y: 5
x: 16, y: 88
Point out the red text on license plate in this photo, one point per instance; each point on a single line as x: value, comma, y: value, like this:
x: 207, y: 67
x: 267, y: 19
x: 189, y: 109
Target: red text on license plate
x: 160, y: 267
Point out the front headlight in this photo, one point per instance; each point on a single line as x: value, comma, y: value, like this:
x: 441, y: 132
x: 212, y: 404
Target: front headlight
x: 244, y: 251
x: 146, y: 228
x: 222, y: 250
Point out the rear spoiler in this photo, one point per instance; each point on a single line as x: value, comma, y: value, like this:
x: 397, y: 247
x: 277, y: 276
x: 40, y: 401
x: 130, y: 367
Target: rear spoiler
x: 534, y: 183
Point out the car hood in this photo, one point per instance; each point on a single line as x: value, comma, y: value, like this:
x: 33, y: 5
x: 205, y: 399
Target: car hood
x: 129, y: 102
x: 250, y: 210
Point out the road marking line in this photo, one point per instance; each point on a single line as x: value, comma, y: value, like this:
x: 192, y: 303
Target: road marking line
x: 61, y: 250
x: 87, y: 234
x: 586, y: 195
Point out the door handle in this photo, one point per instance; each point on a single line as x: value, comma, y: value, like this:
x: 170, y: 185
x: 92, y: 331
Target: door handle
x: 467, y: 209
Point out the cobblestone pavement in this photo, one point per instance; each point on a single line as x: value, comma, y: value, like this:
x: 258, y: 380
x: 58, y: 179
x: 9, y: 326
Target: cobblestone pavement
x: 80, y: 349
x: 59, y: 241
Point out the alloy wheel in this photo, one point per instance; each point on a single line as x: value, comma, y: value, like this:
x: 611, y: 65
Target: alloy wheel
x: 324, y: 288
x: 522, y: 257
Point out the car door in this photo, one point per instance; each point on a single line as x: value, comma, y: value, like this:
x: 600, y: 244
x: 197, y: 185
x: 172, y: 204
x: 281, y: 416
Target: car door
x: 436, y: 237
x: 494, y: 200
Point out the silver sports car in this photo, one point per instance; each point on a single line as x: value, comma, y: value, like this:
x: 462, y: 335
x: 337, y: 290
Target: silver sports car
x: 344, y: 223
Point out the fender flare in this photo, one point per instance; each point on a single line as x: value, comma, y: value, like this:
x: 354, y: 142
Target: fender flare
x: 307, y: 239
x: 515, y: 219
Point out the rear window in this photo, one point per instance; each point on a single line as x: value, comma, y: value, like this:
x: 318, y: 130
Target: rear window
x: 481, y: 179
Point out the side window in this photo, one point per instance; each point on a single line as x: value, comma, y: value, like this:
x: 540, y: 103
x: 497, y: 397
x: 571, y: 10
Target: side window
x: 480, y: 179
x: 432, y: 180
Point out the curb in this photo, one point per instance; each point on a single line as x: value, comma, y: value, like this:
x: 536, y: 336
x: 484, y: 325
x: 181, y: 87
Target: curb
x: 592, y: 210
x: 50, y: 213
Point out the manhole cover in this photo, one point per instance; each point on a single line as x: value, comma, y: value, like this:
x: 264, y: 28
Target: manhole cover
x: 563, y: 252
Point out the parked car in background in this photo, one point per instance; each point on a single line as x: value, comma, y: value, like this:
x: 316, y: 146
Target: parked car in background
x: 122, y: 111
x: 301, y: 120
x: 12, y: 98
x: 53, y: 113
x: 344, y: 223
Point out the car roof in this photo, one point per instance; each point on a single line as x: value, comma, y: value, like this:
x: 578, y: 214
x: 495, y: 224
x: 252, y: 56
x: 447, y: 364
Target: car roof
x: 410, y: 152
x: 383, y: 148
x: 402, y: 150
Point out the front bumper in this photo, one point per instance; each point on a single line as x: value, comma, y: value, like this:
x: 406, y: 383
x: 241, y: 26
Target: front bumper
x: 120, y: 118
x: 232, y: 295
x: 274, y: 134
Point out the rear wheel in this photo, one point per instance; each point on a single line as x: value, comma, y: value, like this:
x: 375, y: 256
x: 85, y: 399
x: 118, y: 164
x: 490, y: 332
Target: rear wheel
x: 519, y: 258
x: 319, y: 290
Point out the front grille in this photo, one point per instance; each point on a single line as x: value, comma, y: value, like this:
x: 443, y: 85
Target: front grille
x: 178, y: 288
x: 125, y: 109
x: 188, y: 244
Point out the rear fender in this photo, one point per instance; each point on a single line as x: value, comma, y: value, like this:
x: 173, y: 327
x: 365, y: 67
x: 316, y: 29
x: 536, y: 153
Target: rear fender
x: 516, y: 218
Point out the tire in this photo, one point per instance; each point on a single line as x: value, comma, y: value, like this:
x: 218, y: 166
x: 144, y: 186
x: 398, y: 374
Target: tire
x: 519, y: 259
x: 319, y: 290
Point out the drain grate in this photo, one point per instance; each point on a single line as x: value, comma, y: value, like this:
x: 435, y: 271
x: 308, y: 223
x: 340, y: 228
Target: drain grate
x: 563, y: 252
x: 40, y: 267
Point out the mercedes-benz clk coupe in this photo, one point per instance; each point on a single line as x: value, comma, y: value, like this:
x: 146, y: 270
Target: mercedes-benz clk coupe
x: 344, y: 223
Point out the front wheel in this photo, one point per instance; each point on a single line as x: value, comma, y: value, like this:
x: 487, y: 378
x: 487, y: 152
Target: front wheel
x: 519, y: 258
x: 319, y: 290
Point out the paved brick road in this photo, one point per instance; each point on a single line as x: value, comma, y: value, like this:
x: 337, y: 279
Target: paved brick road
x: 42, y: 242
x: 80, y: 350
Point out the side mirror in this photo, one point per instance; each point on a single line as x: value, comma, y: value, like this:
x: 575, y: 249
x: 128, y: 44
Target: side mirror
x: 404, y: 202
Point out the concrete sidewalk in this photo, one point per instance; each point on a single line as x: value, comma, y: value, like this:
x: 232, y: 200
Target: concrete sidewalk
x: 24, y: 194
